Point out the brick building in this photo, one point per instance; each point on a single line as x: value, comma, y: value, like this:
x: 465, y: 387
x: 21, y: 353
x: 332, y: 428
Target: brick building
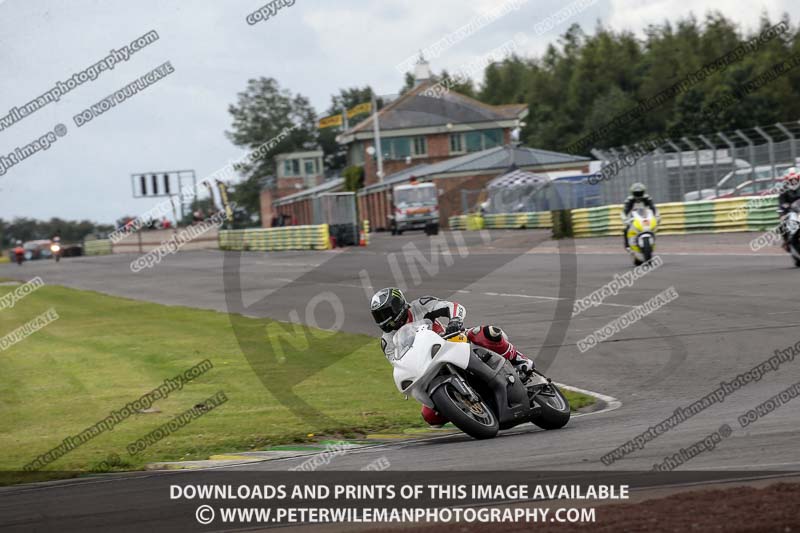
x: 453, y: 140
x: 458, y: 179
x: 419, y: 128
x: 294, y: 172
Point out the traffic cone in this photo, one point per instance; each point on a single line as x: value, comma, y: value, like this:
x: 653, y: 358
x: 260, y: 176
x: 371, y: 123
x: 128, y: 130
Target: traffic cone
x: 362, y: 241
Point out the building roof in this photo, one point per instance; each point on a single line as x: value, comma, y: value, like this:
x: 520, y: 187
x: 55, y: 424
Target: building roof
x: 498, y: 158
x: 299, y: 154
x: 326, y: 186
x: 416, y: 110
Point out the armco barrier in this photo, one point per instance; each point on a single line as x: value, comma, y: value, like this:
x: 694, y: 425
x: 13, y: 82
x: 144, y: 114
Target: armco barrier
x: 717, y: 216
x: 458, y: 222
x: 538, y: 220
x: 276, y: 239
x: 756, y: 213
x: 97, y: 247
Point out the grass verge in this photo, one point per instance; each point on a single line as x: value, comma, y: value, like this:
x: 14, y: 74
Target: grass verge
x: 104, y: 352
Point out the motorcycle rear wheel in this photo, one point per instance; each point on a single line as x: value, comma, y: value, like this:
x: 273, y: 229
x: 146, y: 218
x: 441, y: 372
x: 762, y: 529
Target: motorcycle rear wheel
x: 555, y: 411
x: 475, y: 419
x: 795, y: 244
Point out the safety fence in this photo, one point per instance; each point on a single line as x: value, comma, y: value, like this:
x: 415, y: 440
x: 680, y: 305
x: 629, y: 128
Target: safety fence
x: 695, y: 167
x: 538, y: 220
x: 97, y: 247
x: 718, y: 216
x: 312, y: 237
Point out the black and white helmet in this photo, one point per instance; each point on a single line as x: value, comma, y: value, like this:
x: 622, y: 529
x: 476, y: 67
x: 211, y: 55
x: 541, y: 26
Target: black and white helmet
x: 389, y: 309
x: 638, y: 190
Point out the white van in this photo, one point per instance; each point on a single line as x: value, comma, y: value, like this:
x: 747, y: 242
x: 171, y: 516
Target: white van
x: 415, y: 206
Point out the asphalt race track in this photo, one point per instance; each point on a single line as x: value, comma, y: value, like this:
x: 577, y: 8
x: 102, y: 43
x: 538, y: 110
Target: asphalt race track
x: 735, y: 308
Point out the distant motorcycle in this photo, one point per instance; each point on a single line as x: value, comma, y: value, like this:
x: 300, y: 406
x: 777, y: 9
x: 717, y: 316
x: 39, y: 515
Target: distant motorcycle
x: 479, y: 391
x: 641, y: 234
x: 792, y: 228
x: 55, y: 249
x: 19, y: 254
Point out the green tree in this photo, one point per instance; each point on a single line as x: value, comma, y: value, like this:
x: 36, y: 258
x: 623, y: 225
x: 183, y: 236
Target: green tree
x: 353, y: 178
x: 262, y: 112
x: 336, y: 154
x: 458, y: 84
x: 582, y: 82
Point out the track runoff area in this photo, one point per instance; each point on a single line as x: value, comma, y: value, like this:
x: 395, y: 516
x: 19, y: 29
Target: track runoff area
x: 691, y: 363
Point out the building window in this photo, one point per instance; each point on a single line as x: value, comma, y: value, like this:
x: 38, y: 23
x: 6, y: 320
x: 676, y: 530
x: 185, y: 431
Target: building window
x: 475, y: 141
x: 308, y: 167
x: 456, y: 143
x: 492, y: 138
x: 291, y: 167
x: 420, y: 146
x: 396, y: 147
x: 357, y: 154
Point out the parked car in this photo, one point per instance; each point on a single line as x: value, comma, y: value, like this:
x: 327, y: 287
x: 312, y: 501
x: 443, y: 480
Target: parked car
x: 71, y: 250
x: 37, y: 250
x: 40, y: 249
x: 734, y: 179
x: 759, y: 187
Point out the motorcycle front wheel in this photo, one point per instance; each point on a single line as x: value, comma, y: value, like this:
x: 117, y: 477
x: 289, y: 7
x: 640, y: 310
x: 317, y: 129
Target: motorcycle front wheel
x: 647, y: 250
x: 475, y: 419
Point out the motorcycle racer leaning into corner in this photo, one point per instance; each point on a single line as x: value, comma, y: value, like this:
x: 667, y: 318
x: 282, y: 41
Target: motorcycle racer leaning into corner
x: 789, y: 183
x: 638, y: 197
x: 391, y: 311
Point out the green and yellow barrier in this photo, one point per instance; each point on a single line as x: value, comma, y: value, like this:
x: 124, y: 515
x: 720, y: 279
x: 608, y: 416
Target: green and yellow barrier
x: 313, y: 237
x: 717, y: 216
x: 538, y: 220
x: 458, y: 222
x: 756, y: 213
x: 97, y: 247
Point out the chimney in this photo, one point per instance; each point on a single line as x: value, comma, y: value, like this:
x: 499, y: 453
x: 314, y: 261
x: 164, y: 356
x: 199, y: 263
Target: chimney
x: 422, y: 71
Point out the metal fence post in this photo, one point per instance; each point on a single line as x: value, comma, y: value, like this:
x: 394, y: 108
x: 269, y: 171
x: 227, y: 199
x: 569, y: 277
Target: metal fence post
x: 680, y: 169
x: 614, y: 185
x: 752, y: 150
x: 714, y: 163
x: 696, y: 162
x: 792, y: 141
x: 732, y: 147
x: 600, y: 155
x: 771, y: 148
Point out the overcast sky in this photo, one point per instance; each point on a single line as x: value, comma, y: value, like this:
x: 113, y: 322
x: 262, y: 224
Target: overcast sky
x: 313, y: 47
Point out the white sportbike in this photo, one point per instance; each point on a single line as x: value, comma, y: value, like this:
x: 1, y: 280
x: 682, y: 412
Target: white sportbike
x: 641, y: 234
x: 478, y: 390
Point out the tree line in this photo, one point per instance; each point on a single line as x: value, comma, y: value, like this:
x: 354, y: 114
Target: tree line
x: 579, y: 84
x: 29, y: 229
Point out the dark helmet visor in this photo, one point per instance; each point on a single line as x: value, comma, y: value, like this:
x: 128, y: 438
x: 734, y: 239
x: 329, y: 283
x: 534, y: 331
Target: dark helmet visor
x: 390, y: 317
